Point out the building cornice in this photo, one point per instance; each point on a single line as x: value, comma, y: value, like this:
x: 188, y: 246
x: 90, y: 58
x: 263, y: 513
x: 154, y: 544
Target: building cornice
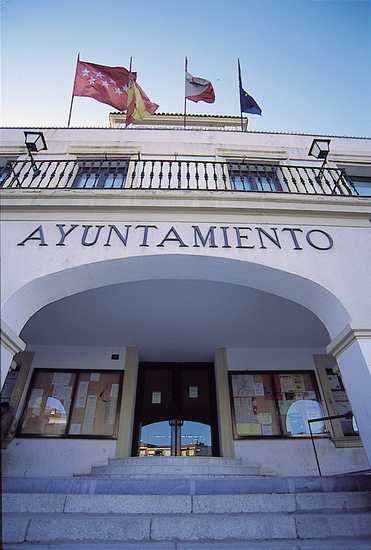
x: 330, y: 207
x: 346, y: 339
x: 9, y: 339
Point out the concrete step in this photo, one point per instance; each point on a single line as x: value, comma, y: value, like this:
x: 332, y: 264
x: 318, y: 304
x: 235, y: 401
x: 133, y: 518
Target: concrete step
x: 177, y: 460
x: 187, y: 485
x: 319, y: 544
x: 175, y: 466
x: 172, y: 473
x: 52, y: 528
x: 184, y: 504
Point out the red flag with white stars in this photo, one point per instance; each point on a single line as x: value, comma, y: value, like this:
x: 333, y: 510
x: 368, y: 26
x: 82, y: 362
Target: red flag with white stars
x: 105, y: 84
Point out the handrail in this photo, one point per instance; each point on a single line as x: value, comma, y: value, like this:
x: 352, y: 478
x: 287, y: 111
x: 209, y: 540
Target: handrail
x: 347, y: 415
x: 125, y: 173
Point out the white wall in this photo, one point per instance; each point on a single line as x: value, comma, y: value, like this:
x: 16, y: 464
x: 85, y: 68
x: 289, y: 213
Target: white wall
x: 271, y: 358
x: 77, y: 357
x: 55, y: 457
x: 290, y: 456
x: 305, y: 276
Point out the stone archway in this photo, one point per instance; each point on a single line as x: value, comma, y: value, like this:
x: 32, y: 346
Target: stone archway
x: 41, y: 291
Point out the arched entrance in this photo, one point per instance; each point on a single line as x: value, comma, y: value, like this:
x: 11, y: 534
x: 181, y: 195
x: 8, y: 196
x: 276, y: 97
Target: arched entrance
x: 27, y: 300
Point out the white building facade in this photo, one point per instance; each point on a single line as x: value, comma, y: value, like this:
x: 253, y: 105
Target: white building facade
x: 199, y: 292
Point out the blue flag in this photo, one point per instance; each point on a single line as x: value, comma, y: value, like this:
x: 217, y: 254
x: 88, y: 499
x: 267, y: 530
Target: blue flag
x: 248, y: 103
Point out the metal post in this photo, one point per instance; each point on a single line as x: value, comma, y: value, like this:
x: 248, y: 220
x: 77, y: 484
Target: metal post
x: 185, y: 99
x: 130, y: 83
x: 314, y: 448
x: 72, y: 97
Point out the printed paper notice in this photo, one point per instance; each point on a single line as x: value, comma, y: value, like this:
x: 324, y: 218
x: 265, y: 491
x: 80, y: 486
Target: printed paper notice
x: 91, y: 405
x: 95, y: 377
x: 243, y: 385
x: 264, y: 418
x: 244, y: 410
x: 258, y: 387
x: 245, y: 428
x: 340, y: 396
x: 267, y: 429
x: 291, y: 382
x: 109, y: 413
x: 156, y: 397
x: 82, y: 392
x: 75, y: 429
x: 334, y: 381
x: 61, y: 378
x: 193, y: 392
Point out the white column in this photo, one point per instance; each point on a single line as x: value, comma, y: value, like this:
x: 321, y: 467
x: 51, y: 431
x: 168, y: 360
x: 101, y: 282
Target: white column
x: 129, y: 393
x: 352, y: 349
x: 10, y: 345
x: 223, y: 404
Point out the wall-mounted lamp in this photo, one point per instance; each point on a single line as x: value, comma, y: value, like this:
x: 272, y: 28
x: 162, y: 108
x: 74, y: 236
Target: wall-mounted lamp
x: 35, y: 142
x: 320, y: 149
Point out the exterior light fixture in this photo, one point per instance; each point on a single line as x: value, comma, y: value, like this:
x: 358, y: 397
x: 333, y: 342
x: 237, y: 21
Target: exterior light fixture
x: 35, y: 142
x: 320, y: 148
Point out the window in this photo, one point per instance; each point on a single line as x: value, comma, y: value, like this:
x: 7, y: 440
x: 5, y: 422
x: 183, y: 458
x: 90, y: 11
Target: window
x: 274, y: 404
x: 101, y: 175
x: 5, y: 170
x: 362, y: 185
x: 359, y: 178
x: 250, y: 177
x: 72, y: 403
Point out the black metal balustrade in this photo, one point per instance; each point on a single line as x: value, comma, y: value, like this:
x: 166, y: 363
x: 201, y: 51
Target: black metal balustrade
x: 234, y: 175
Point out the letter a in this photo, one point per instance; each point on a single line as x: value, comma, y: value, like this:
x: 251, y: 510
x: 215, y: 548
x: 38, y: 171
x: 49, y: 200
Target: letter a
x: 31, y: 237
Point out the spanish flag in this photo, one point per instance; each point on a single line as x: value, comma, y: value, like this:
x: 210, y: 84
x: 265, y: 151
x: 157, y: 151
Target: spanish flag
x: 139, y: 104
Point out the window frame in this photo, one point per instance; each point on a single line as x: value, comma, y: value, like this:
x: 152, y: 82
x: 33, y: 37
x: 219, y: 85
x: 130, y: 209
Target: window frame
x: 260, y: 169
x: 313, y: 374
x: 86, y: 165
x: 323, y: 362
x: 357, y: 181
x: 66, y: 435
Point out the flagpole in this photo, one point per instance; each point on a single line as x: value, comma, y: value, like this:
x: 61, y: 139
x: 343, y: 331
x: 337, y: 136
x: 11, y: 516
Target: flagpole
x: 239, y: 90
x: 127, y: 106
x: 185, y: 100
x: 72, y: 97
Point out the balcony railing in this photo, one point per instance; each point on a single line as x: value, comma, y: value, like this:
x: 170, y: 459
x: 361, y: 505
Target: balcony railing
x: 124, y: 174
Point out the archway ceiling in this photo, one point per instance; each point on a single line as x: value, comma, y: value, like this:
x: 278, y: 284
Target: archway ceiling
x: 173, y: 320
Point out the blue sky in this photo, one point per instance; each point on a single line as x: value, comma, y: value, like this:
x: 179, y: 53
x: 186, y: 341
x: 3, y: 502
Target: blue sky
x: 306, y: 62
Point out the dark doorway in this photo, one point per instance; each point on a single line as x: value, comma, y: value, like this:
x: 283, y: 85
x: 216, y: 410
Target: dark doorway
x: 175, y: 413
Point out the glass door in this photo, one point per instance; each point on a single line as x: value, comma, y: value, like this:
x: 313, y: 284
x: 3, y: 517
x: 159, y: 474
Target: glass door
x: 175, y: 411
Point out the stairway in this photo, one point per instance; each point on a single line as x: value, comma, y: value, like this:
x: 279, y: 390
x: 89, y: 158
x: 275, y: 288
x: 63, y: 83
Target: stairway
x: 171, y: 467
x: 208, y: 504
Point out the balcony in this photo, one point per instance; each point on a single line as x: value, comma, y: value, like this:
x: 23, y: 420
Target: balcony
x: 124, y: 174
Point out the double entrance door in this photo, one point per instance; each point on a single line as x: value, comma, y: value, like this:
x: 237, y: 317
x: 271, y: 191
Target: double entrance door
x: 175, y: 411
